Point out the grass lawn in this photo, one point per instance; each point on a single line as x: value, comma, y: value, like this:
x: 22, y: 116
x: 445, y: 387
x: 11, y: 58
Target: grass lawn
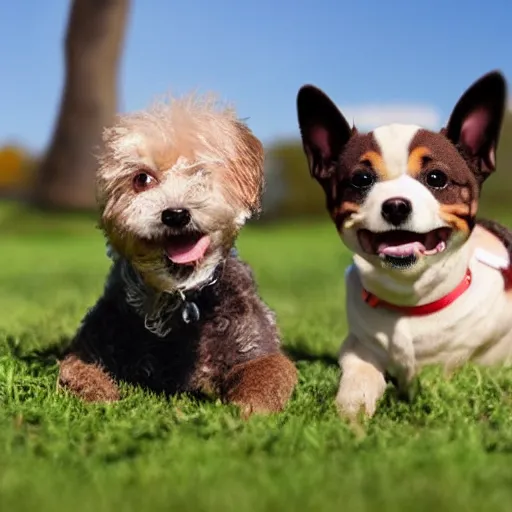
x: 449, y: 450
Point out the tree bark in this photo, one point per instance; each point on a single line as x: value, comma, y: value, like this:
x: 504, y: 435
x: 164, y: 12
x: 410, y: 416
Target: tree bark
x: 93, y: 47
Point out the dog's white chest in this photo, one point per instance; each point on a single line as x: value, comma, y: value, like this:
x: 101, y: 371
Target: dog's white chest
x: 474, y: 325
x: 479, y: 319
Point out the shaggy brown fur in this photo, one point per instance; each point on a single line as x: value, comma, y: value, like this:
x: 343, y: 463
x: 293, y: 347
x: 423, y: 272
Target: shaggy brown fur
x: 88, y: 380
x: 242, y: 385
x: 170, y: 325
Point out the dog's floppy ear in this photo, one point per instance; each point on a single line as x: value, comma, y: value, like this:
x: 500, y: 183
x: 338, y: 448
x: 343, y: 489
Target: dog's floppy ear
x: 323, y: 128
x: 475, y: 122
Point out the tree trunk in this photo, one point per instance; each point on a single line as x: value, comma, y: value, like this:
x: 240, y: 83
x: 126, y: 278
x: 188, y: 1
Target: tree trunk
x: 93, y: 46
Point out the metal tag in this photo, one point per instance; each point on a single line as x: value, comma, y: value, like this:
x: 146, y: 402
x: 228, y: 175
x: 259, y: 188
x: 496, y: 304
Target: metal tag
x: 190, y: 312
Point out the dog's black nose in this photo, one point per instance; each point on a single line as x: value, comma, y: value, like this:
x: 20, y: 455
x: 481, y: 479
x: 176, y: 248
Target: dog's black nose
x: 177, y: 218
x: 396, y: 210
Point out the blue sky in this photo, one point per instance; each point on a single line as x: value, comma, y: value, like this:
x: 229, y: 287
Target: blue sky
x: 377, y: 60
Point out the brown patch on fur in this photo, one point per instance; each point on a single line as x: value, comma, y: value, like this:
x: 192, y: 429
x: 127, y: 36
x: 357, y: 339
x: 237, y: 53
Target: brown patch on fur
x: 456, y: 215
x: 460, y: 197
x: 88, y: 381
x: 416, y: 159
x: 460, y: 216
x: 339, y: 193
x: 445, y: 157
x: 343, y: 212
x: 245, y: 176
x: 164, y: 157
x: 376, y: 162
x: 262, y: 385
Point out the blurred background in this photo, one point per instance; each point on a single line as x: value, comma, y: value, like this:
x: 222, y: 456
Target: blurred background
x: 69, y: 66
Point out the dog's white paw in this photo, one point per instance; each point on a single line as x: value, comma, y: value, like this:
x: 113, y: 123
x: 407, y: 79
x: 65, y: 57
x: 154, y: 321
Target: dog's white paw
x: 359, y: 393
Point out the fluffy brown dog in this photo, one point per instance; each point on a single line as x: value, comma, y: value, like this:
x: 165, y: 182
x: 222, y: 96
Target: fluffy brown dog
x: 180, y: 312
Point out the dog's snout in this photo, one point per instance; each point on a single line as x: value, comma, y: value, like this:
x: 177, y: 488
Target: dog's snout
x: 396, y: 210
x: 176, y: 218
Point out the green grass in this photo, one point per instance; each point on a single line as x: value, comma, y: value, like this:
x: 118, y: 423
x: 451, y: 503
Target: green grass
x: 451, y: 449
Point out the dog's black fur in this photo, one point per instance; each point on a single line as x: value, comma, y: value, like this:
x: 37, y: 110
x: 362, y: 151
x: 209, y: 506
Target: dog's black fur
x: 235, y: 329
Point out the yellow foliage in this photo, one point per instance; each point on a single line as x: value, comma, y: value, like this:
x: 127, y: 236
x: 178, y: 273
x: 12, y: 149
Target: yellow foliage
x: 13, y: 167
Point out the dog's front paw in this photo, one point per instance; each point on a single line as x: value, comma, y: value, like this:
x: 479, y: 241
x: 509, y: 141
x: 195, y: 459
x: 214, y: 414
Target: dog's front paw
x: 88, y: 381
x: 359, y: 394
x: 261, y: 386
x: 362, y: 382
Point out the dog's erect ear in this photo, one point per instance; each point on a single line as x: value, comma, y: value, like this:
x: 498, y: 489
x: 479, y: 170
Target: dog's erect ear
x: 323, y: 128
x: 475, y: 122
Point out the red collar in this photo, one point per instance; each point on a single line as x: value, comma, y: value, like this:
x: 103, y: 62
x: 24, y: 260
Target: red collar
x: 425, y: 309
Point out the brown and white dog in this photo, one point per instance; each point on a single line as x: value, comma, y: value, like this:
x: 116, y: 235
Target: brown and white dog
x: 180, y: 311
x: 428, y: 283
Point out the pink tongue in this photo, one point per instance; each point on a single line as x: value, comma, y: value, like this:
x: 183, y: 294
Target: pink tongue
x: 401, y: 250
x: 187, y: 251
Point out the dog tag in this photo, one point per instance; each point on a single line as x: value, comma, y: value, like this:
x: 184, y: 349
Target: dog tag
x: 190, y: 312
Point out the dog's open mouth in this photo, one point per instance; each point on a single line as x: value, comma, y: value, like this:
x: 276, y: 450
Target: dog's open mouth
x: 404, y: 244
x: 186, y: 249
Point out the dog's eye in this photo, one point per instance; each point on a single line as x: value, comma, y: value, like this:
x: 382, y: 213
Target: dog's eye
x: 436, y: 179
x: 142, y: 181
x: 362, y: 179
